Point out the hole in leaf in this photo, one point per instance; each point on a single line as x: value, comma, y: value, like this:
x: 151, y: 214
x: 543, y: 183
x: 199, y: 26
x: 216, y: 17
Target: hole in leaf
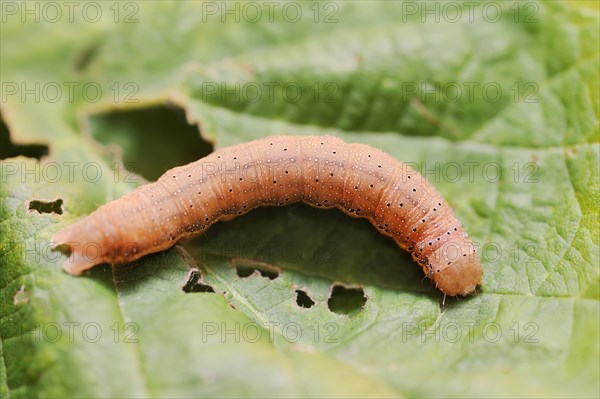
x: 303, y: 300
x: 346, y: 300
x: 151, y: 140
x: 46, y: 206
x: 244, y: 271
x: 195, y: 285
x: 10, y: 150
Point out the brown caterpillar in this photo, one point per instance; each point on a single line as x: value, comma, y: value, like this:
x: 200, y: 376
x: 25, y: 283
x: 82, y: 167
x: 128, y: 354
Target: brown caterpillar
x: 322, y: 171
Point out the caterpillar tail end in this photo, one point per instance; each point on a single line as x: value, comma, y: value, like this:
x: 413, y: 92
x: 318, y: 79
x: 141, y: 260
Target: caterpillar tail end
x: 77, y: 262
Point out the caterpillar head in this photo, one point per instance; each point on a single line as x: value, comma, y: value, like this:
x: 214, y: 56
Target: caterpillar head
x: 456, y: 273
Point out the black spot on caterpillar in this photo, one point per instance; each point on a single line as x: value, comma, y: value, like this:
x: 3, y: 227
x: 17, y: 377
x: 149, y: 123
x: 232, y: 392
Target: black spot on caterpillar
x: 322, y: 171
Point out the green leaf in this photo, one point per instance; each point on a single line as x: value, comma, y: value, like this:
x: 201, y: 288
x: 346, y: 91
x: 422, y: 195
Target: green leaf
x: 498, y: 108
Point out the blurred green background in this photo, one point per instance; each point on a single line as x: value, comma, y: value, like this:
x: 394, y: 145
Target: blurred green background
x: 497, y: 103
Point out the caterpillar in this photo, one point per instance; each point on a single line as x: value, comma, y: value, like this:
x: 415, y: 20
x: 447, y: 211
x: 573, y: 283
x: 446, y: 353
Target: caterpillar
x: 322, y: 171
